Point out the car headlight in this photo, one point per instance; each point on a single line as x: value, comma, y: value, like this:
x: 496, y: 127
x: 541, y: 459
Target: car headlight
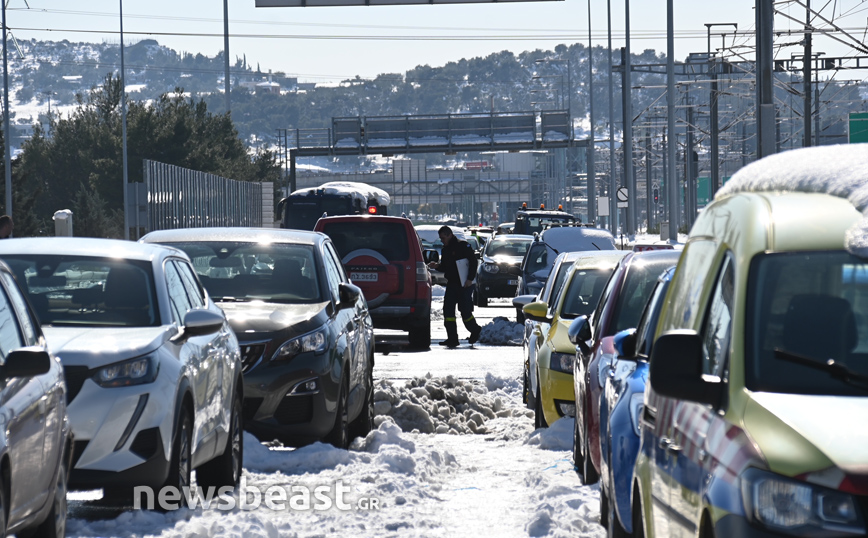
x: 316, y: 341
x: 637, y: 400
x: 562, y: 362
x: 797, y: 508
x: 136, y: 371
x: 490, y: 268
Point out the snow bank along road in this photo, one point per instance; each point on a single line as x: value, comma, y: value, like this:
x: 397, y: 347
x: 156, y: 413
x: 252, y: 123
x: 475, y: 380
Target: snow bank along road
x: 454, y: 454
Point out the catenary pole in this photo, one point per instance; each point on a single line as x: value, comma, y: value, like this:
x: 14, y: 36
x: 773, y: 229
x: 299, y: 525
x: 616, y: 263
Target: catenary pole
x: 123, y: 126
x: 629, y: 176
x: 672, y: 176
x: 613, y: 181
x: 227, y: 82
x: 8, y: 141
x: 592, y: 163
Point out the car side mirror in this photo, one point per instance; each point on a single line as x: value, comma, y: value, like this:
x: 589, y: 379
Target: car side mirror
x: 349, y: 295
x: 523, y: 300
x: 676, y: 369
x: 514, y: 270
x: 199, y: 322
x: 431, y: 256
x: 26, y: 362
x: 537, y: 311
x: 579, y: 333
x: 625, y: 344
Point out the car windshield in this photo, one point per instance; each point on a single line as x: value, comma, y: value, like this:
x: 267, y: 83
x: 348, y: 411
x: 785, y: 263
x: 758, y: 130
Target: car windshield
x: 812, y: 305
x: 636, y: 289
x: 387, y: 238
x: 584, y: 292
x: 272, y: 272
x: 507, y: 247
x: 88, y: 291
x: 538, y: 258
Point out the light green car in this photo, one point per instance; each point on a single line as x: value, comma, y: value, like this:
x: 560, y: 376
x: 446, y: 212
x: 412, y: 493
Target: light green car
x: 756, y: 419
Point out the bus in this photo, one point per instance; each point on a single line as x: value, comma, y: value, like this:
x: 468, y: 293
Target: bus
x: 302, y: 208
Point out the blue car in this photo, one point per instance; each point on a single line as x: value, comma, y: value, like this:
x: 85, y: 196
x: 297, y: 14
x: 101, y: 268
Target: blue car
x: 623, y: 397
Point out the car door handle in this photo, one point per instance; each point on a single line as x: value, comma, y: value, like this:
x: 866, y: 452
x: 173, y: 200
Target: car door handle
x: 42, y: 405
x: 664, y: 443
x: 673, y: 449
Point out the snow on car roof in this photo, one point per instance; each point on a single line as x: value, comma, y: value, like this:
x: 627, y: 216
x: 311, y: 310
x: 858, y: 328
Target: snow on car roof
x: 835, y: 170
x: 361, y: 191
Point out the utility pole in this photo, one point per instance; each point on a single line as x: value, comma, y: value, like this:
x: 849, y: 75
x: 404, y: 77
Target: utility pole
x: 671, y: 178
x: 809, y: 58
x: 592, y: 163
x: 123, y: 125
x: 227, y: 82
x: 613, y: 182
x: 714, y: 112
x: 8, y: 140
x: 689, y: 178
x: 649, y: 203
x: 765, y: 78
x: 629, y: 175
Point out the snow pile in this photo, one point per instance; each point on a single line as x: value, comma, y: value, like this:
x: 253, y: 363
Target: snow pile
x: 502, y: 332
x: 438, y: 291
x: 559, y: 436
x: 445, y: 405
x: 837, y: 170
x: 308, y: 459
x: 360, y: 191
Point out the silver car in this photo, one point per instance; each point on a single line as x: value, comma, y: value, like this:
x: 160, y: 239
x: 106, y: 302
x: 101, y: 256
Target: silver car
x: 152, y: 367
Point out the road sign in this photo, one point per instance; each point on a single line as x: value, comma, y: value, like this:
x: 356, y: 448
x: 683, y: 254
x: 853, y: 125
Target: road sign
x: 622, y: 196
x: 603, y: 206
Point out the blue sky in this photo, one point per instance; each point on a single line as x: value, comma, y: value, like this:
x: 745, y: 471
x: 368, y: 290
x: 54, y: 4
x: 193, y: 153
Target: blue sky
x: 343, y: 42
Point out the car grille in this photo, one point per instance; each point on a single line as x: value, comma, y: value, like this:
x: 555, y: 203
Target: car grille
x: 75, y: 378
x: 250, y: 407
x: 294, y: 410
x: 146, y: 443
x: 250, y: 355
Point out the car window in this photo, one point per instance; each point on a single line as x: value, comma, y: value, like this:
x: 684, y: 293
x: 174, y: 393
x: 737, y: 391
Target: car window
x: 717, y: 329
x: 330, y: 249
x: 638, y: 284
x: 813, y: 305
x: 506, y: 247
x: 387, y: 238
x: 333, y: 276
x: 537, y: 258
x: 178, y: 299
x: 583, y: 292
x: 684, y: 307
x: 28, y: 329
x: 191, y: 284
x: 10, y: 337
x: 239, y: 271
x: 557, y: 285
x: 84, y: 291
x: 597, y: 316
x: 648, y: 321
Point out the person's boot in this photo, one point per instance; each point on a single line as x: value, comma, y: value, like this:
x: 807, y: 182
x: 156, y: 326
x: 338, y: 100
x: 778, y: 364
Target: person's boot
x: 451, y: 335
x: 474, y: 328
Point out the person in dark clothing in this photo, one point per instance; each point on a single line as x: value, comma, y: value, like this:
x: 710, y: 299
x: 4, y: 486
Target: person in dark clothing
x: 457, y: 292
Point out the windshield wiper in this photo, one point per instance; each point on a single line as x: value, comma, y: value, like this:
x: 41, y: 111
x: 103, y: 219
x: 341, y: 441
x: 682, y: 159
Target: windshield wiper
x: 551, y: 247
x: 230, y: 299
x: 835, y: 369
x: 595, y: 246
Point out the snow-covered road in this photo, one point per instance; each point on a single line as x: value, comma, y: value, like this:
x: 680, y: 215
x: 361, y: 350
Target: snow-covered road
x: 503, y: 480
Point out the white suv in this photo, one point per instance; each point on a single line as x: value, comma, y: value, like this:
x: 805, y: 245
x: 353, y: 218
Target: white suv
x: 152, y: 367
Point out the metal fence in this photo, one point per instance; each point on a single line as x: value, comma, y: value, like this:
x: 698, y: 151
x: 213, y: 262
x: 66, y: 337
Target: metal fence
x: 183, y: 198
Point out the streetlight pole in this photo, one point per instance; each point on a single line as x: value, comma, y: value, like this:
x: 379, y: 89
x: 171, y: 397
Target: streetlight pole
x: 225, y: 51
x: 629, y: 178
x: 123, y: 124
x: 8, y: 142
x: 671, y: 177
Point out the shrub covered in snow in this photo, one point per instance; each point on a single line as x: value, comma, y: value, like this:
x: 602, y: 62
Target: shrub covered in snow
x: 444, y: 405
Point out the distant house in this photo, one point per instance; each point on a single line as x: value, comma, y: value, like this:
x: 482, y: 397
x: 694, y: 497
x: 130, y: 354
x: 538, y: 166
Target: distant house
x: 268, y: 87
x: 72, y: 81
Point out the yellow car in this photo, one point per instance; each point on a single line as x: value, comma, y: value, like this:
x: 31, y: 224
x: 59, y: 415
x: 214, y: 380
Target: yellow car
x: 551, y: 381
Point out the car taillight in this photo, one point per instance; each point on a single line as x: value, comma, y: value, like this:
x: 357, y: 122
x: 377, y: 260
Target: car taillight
x: 421, y: 272
x: 372, y: 210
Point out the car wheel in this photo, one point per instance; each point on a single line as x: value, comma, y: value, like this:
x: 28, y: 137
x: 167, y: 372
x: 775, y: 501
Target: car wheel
x: 613, y: 525
x: 519, y: 315
x: 604, y: 509
x: 481, y: 300
x: 578, y: 459
x: 524, y: 388
x: 339, y: 436
x: 638, y: 527
x: 225, y: 469
x: 589, y: 472
x: 420, y: 337
x: 2, y: 508
x: 179, y: 468
x: 365, y: 421
x: 539, y: 419
x: 54, y: 525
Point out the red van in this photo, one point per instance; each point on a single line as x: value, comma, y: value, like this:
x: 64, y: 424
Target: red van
x: 383, y: 256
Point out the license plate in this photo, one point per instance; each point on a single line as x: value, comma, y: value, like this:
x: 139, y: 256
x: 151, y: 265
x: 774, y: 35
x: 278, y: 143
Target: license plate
x: 512, y: 282
x: 364, y: 277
